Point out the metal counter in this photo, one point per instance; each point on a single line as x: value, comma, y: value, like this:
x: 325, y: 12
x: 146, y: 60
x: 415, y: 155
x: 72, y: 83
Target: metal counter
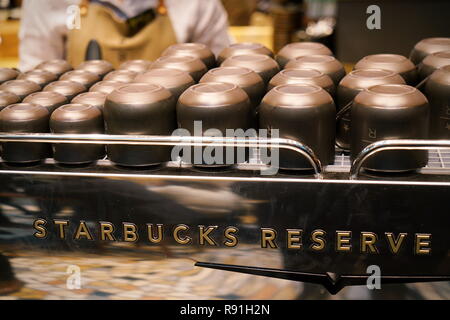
x: 227, y: 230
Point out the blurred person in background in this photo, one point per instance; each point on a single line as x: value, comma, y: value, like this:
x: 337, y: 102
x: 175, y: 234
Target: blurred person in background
x: 124, y: 29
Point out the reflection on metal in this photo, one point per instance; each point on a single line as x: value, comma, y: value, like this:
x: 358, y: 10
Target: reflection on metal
x: 280, y: 143
x: 398, y: 144
x: 331, y: 281
x: 297, y: 207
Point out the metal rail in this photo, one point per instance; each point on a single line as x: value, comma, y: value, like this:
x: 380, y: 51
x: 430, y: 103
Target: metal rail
x: 193, y: 141
x: 397, y: 144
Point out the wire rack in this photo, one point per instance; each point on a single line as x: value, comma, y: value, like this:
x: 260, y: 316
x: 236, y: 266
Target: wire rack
x: 437, y: 159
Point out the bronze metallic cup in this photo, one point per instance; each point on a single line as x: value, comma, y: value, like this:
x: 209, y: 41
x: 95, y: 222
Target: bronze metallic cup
x: 99, y: 67
x: 174, y: 80
x: 106, y: 86
x: 262, y: 64
x: 194, y: 66
x: 67, y: 88
x: 437, y: 90
x: 77, y: 118
x: 245, y: 78
x: 24, y: 118
x: 7, y: 74
x: 352, y: 84
x: 56, y: 66
x: 7, y: 98
x: 390, y: 111
x: 301, y: 112
x: 123, y: 75
x: 328, y: 65
x: 197, y: 50
x: 96, y: 99
x: 41, y: 77
x: 392, y: 62
x: 428, y: 46
x: 433, y: 62
x: 300, y: 49
x: 139, y: 109
x: 237, y: 49
x: 137, y: 65
x: 303, y: 76
x: 21, y: 88
x: 48, y: 99
x: 214, y: 106
x: 86, y: 78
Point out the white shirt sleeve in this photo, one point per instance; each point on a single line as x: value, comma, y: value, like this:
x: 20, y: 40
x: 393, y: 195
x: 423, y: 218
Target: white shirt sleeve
x: 203, y: 21
x: 42, y: 31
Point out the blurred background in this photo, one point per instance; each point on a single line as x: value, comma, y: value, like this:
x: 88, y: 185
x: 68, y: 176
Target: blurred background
x: 341, y: 25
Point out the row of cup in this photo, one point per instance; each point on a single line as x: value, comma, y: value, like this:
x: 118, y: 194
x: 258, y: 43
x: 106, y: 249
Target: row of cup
x: 323, y: 62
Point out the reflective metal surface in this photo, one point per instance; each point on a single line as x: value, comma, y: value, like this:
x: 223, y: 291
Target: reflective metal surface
x: 217, y: 218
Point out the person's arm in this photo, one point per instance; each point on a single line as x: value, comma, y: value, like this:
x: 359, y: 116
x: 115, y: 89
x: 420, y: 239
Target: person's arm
x: 203, y: 21
x: 211, y: 25
x: 42, y: 31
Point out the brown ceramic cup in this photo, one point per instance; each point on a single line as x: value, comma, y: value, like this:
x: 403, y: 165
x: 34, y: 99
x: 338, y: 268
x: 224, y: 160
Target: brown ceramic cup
x: 86, y: 78
x: 237, y: 49
x: 21, y: 88
x: 139, y: 109
x: 41, y: 77
x: 192, y: 65
x: 300, y: 49
x: 96, y: 99
x: 174, y: 80
x: 352, y: 84
x: 428, y: 46
x: 67, y: 88
x: 56, y: 66
x: 302, y: 112
x: 392, y: 62
x: 48, y: 99
x: 328, y: 65
x: 122, y: 75
x: 390, y: 111
x: 77, y: 118
x: 197, y: 50
x: 24, y: 118
x: 262, y: 64
x: 98, y: 67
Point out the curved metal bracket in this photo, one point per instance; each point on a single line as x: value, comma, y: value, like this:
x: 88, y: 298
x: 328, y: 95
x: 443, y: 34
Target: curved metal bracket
x: 193, y: 141
x: 331, y: 281
x: 397, y: 144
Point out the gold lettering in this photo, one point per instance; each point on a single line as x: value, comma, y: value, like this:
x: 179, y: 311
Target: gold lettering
x: 232, y: 240
x: 422, y: 243
x: 343, y: 241
x: 294, y: 238
x: 368, y: 240
x: 150, y: 232
x: 129, y: 232
x: 268, y: 236
x: 39, y: 225
x: 317, y: 236
x: 204, y: 235
x: 106, y: 231
x: 83, y: 231
x: 183, y: 240
x: 395, y: 244
x: 61, y: 227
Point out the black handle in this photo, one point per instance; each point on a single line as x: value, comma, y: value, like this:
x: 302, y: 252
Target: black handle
x: 93, y: 51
